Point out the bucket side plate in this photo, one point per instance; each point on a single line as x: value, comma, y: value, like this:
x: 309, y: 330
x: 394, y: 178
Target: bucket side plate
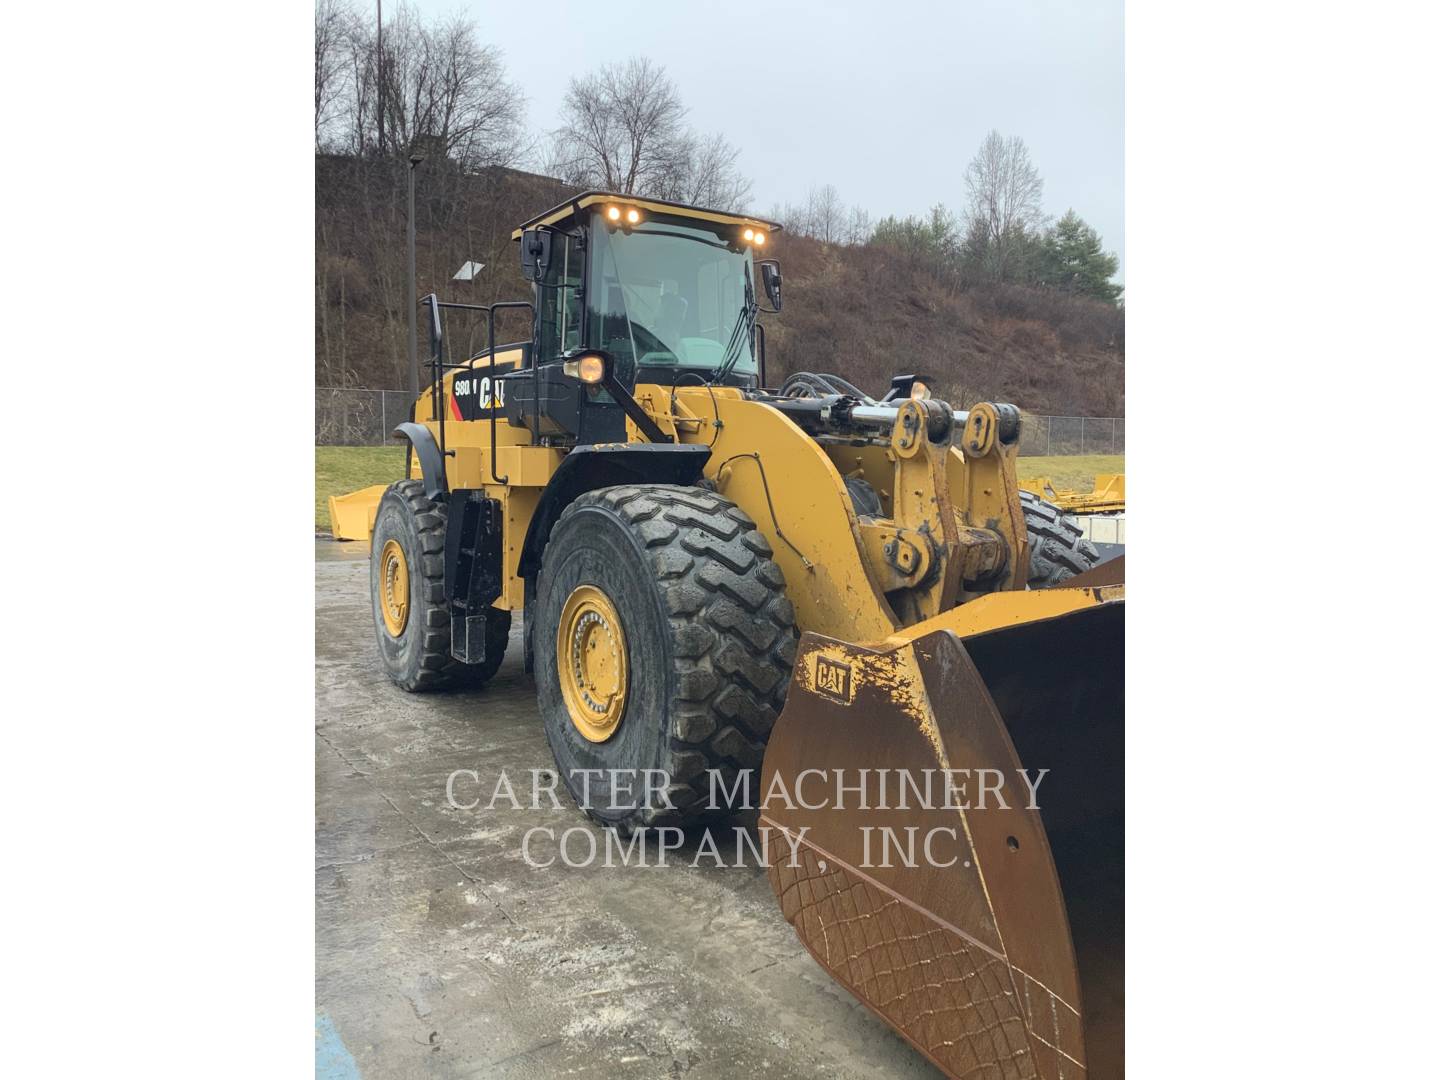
x: 937, y: 907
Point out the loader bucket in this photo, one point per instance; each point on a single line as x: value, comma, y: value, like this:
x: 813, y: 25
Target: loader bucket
x: 988, y: 933
x: 352, y: 516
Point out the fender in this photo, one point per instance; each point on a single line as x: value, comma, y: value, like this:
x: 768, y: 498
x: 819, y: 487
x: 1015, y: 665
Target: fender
x: 432, y: 465
x: 598, y: 465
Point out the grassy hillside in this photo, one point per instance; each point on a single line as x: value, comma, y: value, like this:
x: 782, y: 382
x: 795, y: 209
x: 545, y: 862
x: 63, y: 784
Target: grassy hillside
x: 866, y: 314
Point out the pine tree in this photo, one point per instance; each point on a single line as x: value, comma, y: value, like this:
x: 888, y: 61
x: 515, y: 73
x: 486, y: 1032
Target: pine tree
x: 1072, y: 258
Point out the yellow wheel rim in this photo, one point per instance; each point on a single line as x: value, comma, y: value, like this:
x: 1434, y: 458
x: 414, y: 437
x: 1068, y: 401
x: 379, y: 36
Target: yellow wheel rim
x: 594, y: 663
x: 394, y: 588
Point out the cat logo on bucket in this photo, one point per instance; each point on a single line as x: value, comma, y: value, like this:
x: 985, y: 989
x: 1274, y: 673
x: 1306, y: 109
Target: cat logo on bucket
x: 832, y: 678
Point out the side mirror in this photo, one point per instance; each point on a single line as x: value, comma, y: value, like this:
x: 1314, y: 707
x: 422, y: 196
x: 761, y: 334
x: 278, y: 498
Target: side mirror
x: 535, y: 253
x: 770, y: 278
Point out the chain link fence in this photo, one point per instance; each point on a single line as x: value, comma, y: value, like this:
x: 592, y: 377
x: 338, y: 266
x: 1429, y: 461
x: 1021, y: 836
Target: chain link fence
x: 1046, y: 435
x: 348, y: 416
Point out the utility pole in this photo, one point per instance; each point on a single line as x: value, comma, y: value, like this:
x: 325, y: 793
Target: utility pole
x: 415, y: 159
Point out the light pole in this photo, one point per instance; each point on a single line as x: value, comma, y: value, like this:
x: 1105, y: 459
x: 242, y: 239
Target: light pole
x: 415, y: 159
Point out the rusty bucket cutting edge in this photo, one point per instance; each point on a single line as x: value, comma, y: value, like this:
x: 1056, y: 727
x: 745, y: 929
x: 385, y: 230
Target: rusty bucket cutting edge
x: 939, y: 908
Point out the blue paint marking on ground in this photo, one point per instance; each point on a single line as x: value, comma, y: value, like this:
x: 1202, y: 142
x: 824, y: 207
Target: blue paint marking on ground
x: 332, y: 1060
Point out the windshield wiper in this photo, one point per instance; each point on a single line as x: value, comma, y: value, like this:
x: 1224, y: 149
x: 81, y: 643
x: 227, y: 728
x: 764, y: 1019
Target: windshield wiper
x: 744, y: 327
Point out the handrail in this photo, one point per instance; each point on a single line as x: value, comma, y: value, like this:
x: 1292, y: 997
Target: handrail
x: 494, y: 386
x: 438, y: 367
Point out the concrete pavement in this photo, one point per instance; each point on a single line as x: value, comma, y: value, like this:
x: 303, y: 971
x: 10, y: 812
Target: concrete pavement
x: 441, y: 953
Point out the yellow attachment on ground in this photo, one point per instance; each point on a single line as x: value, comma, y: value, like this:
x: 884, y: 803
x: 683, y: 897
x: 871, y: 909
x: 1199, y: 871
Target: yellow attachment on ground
x: 594, y: 663
x: 1107, y: 498
x: 352, y: 516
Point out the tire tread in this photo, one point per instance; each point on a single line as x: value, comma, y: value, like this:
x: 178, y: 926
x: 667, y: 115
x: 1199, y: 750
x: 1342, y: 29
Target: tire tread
x: 438, y: 670
x: 732, y: 624
x: 1058, y: 549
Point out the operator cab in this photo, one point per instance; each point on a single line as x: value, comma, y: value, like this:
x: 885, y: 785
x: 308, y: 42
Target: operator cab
x: 661, y: 293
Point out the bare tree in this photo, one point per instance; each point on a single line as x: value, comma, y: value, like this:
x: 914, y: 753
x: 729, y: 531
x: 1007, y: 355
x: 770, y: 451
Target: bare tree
x: 825, y: 217
x: 333, y: 24
x: 708, y: 175
x: 795, y: 219
x: 623, y: 126
x: 442, y: 86
x: 358, y: 96
x: 858, y: 227
x: 1005, y: 190
x: 826, y: 214
x: 624, y: 130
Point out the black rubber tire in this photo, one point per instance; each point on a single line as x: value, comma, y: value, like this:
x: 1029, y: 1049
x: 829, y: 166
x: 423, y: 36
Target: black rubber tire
x: 710, y: 637
x: 864, y: 497
x: 420, y: 658
x: 1057, y: 549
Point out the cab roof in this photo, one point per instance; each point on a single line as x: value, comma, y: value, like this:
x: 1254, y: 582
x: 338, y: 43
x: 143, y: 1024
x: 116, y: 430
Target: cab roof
x: 655, y: 206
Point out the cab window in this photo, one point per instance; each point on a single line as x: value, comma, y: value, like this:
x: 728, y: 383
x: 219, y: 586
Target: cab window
x: 559, y: 310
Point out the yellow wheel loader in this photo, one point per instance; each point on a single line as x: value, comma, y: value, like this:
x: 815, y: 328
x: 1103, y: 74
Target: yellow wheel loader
x: 800, y: 594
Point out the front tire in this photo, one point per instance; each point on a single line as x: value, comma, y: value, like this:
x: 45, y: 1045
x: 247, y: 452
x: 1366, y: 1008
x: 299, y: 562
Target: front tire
x: 669, y: 597
x: 407, y: 596
x: 1058, y: 550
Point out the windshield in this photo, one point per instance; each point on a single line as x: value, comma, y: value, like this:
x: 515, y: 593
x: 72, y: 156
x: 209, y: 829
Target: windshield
x: 671, y: 296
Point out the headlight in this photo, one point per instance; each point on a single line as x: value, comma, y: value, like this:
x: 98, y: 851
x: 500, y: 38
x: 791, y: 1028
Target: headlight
x: 588, y: 369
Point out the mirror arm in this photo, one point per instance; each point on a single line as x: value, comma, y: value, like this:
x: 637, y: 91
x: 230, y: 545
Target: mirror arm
x: 632, y: 408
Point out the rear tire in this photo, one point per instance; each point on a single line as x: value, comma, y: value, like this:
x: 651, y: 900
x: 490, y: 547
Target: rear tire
x: 418, y: 658
x: 1058, y: 551
x: 709, y: 639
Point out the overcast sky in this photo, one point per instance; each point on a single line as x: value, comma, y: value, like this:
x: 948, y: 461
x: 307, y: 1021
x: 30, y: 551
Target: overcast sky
x: 888, y: 101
